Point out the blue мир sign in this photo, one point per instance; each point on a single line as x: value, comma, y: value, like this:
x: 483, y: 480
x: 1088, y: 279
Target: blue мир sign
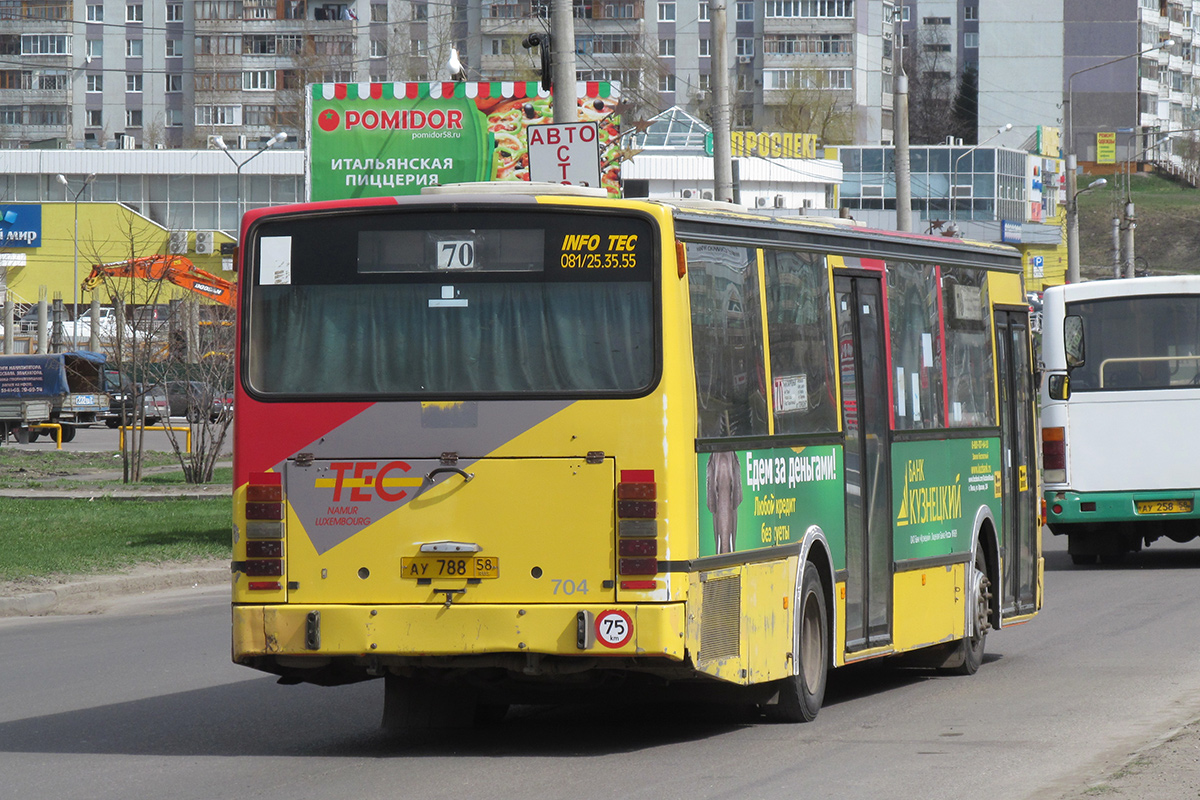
x: 20, y: 226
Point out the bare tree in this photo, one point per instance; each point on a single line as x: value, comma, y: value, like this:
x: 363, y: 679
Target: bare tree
x: 135, y: 341
x: 1187, y: 147
x: 810, y: 105
x: 931, y: 86
x: 319, y: 58
x: 201, y: 358
x: 164, y: 348
x: 154, y: 132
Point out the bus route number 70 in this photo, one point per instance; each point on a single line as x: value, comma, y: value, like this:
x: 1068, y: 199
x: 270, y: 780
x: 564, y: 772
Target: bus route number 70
x: 455, y: 254
x: 614, y: 628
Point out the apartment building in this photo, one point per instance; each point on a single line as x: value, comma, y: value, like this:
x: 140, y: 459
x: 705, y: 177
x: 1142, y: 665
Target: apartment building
x: 166, y: 73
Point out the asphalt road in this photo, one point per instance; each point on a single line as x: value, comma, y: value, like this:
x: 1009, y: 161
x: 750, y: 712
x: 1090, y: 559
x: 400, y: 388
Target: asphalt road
x: 142, y: 702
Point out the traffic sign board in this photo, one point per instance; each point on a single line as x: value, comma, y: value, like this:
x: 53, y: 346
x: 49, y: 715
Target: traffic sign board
x: 614, y: 628
x: 565, y: 152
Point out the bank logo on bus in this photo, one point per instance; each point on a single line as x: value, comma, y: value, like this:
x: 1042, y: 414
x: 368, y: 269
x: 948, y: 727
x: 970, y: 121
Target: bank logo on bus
x: 923, y: 504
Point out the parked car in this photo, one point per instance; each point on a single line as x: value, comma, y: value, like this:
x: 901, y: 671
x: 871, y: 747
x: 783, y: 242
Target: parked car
x: 157, y: 407
x: 121, y: 393
x: 124, y: 394
x: 223, y: 405
x: 195, y: 400
x: 106, y: 324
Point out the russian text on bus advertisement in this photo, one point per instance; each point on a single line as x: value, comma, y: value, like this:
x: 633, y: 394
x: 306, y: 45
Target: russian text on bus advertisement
x: 750, y: 499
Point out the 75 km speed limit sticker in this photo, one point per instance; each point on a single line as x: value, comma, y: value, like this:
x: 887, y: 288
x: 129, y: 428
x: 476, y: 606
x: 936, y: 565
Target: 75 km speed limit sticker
x: 614, y: 628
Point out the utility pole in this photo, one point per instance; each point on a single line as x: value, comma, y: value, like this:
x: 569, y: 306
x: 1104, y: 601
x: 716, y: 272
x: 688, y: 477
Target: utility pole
x: 722, y: 158
x: 1072, y: 221
x: 900, y: 133
x: 903, y: 174
x: 1116, y: 246
x: 562, y: 23
x: 1129, y: 226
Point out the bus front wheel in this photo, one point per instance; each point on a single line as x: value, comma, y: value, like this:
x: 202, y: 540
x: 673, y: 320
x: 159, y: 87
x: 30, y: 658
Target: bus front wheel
x: 801, y: 695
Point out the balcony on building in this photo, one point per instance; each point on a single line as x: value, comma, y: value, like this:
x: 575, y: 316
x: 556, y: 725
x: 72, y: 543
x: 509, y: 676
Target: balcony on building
x: 36, y: 16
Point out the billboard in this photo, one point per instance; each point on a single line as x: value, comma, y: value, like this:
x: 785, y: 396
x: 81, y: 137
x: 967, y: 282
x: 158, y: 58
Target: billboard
x: 20, y: 226
x: 384, y: 139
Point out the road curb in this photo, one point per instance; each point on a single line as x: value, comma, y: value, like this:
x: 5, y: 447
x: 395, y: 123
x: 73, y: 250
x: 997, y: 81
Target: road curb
x: 83, y: 595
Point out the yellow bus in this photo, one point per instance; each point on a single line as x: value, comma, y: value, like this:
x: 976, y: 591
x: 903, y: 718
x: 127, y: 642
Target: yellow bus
x: 495, y: 443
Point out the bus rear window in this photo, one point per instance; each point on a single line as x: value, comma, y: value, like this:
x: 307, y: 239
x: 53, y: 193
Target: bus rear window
x: 1138, y: 342
x: 451, y: 304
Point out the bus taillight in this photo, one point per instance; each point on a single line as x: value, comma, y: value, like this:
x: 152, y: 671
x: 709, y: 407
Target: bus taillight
x: 264, y: 530
x: 637, y: 528
x: 1054, y: 455
x: 634, y: 548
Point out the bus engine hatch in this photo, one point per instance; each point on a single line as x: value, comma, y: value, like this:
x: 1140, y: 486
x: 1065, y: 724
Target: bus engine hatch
x: 492, y: 530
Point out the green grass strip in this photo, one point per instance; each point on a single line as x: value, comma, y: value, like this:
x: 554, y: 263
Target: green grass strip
x: 44, y: 538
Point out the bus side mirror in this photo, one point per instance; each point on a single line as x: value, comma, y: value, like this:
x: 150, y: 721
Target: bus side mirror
x: 1058, y: 386
x: 1073, y: 341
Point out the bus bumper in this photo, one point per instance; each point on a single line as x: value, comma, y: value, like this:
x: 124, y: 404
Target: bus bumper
x: 426, y: 630
x: 1074, y: 508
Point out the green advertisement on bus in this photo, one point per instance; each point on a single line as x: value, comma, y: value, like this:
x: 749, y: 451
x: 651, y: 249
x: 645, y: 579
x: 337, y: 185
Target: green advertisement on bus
x: 937, y: 488
x: 388, y: 139
x: 750, y: 499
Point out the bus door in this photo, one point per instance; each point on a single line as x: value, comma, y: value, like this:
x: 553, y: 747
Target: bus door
x: 865, y: 422
x: 1019, y: 465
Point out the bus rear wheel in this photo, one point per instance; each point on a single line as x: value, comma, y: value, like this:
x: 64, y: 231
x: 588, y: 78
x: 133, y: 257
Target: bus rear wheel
x: 801, y: 695
x: 971, y: 648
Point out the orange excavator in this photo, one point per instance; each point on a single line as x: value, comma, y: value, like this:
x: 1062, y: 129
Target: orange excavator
x: 176, y: 269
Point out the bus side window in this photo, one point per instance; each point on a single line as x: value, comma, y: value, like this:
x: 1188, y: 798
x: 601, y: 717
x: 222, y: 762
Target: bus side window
x: 727, y: 341
x: 1073, y: 340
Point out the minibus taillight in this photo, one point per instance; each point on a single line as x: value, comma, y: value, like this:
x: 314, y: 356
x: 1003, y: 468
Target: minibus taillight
x: 1054, y: 455
x: 637, y: 528
x: 264, y: 530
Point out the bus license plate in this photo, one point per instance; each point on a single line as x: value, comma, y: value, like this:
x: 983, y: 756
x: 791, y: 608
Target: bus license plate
x: 450, y: 567
x: 1164, y: 506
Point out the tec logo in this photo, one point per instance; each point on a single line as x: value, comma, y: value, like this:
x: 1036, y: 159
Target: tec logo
x: 328, y: 120
x: 363, y: 481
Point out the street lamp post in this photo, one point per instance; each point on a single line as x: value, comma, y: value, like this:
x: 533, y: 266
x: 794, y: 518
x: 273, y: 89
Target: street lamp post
x: 75, y: 283
x: 1069, y: 155
x: 220, y: 142
x: 954, y: 168
x: 1073, y: 215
